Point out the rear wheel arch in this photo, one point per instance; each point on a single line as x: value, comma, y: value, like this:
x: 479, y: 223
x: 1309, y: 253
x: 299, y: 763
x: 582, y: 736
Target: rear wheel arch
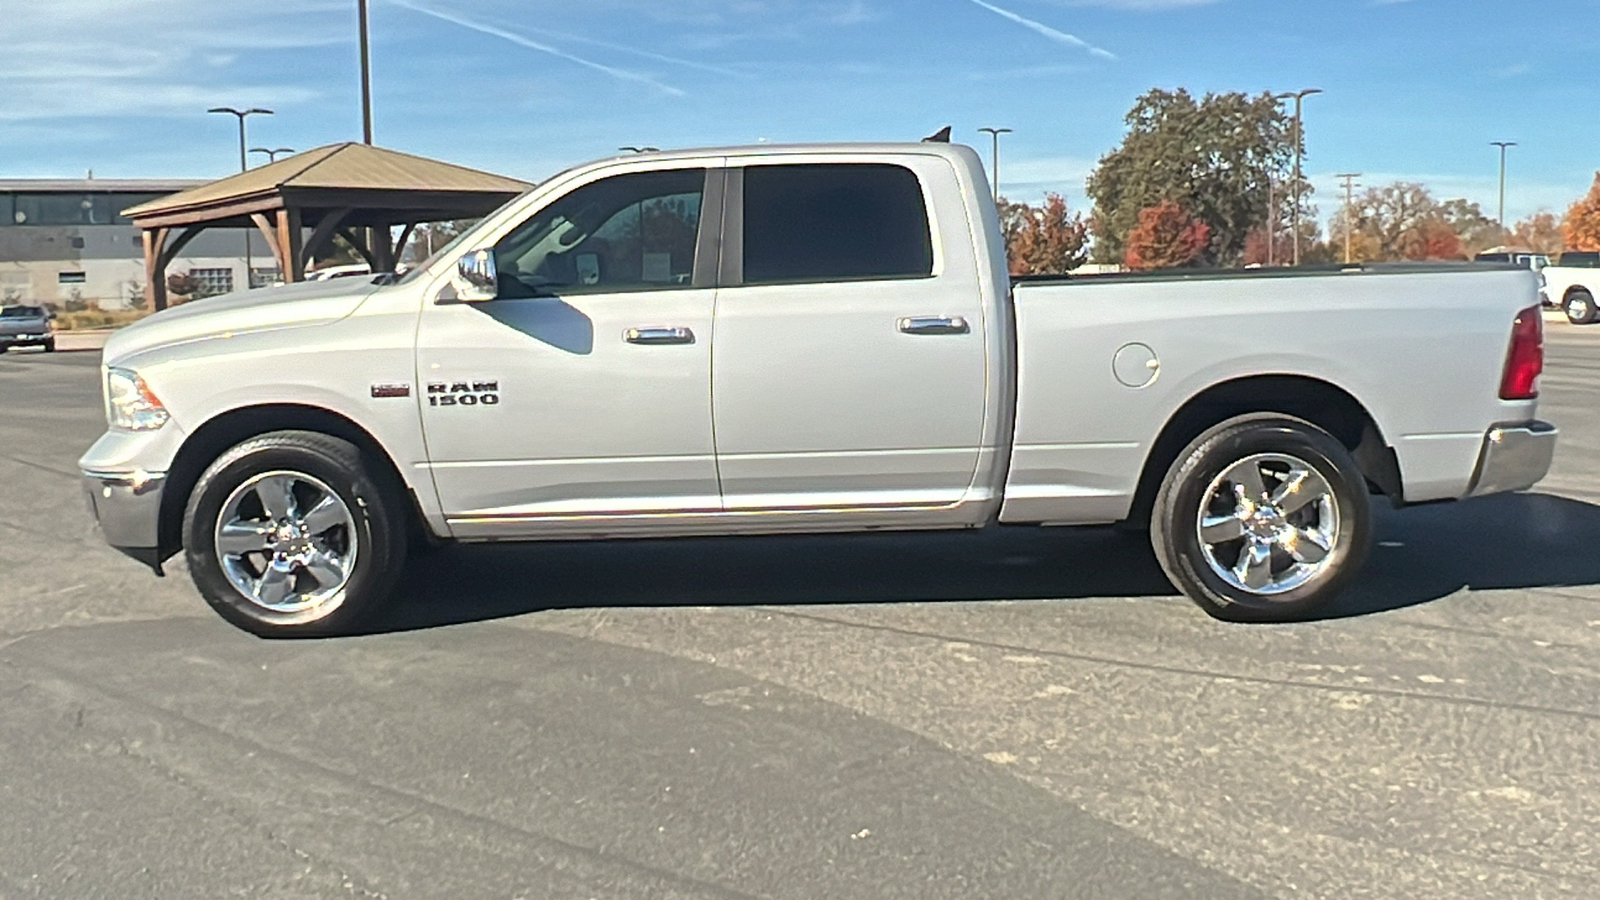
x: 1329, y: 407
x: 228, y: 429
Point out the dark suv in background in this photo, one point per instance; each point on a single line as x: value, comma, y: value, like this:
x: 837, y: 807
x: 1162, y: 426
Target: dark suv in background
x: 24, y: 326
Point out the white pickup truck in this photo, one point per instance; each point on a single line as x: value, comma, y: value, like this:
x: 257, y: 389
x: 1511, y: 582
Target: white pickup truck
x: 1571, y: 284
x: 801, y: 339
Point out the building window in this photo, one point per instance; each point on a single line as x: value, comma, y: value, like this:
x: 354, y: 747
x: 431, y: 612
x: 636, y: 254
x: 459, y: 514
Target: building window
x: 265, y: 277
x: 72, y: 278
x: 213, y: 281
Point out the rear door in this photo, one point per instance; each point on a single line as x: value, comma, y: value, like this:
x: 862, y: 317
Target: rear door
x: 848, y: 372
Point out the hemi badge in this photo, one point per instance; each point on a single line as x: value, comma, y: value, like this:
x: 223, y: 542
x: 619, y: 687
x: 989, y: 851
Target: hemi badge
x: 391, y: 390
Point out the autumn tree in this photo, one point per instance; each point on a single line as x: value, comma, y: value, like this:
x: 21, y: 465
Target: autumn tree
x: 1043, y: 239
x: 1219, y: 158
x: 1166, y: 236
x: 1476, y: 231
x: 1403, y: 220
x: 1581, y: 228
x: 1540, y: 232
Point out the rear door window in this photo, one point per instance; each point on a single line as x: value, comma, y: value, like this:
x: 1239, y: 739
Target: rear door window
x: 834, y: 222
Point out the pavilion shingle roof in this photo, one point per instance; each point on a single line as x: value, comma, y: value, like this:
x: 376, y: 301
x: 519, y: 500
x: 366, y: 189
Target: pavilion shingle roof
x: 347, y: 166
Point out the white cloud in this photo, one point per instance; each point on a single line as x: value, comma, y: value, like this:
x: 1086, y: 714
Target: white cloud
x: 531, y: 44
x: 135, y: 58
x: 1053, y: 34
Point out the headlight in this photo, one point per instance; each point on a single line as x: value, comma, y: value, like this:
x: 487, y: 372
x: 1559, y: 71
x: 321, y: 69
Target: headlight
x: 130, y: 405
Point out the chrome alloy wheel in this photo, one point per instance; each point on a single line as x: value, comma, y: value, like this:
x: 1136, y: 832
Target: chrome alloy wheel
x: 1268, y: 524
x: 287, y: 542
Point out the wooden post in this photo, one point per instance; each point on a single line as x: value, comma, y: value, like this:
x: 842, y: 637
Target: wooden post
x: 264, y: 225
x: 155, y: 270
x: 290, y: 240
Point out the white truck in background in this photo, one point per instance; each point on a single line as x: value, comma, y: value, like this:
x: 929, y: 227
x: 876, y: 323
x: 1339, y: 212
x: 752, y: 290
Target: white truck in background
x: 1570, y: 283
x: 769, y: 339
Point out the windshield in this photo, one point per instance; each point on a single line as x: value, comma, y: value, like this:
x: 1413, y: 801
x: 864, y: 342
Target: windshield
x: 22, y: 312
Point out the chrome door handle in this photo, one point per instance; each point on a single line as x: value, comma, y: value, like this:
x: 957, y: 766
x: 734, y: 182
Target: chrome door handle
x: 934, y: 325
x: 658, y: 335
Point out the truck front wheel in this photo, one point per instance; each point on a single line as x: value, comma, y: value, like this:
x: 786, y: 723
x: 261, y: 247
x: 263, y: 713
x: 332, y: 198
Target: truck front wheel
x: 1263, y: 518
x: 290, y: 534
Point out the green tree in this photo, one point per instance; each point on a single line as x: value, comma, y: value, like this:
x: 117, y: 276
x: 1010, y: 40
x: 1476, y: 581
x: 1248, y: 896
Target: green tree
x: 1220, y: 158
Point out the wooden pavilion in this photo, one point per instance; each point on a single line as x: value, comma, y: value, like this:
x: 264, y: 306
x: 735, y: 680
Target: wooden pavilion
x: 356, y: 191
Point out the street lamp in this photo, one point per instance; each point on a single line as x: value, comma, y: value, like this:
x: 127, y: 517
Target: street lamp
x: 994, y: 164
x: 1502, y: 145
x: 249, y: 257
x: 272, y: 155
x: 1294, y: 214
x: 242, y: 114
x: 640, y: 149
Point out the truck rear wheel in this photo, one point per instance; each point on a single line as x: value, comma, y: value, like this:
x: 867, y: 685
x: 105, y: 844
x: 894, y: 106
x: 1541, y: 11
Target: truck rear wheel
x: 1580, y: 308
x: 290, y: 534
x: 1263, y: 518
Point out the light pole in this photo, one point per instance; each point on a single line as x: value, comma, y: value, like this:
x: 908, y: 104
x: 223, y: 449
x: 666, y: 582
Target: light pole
x: 994, y: 157
x: 1349, y: 208
x: 242, y: 114
x: 1503, y: 145
x: 1272, y: 219
x: 244, y: 164
x: 1294, y: 214
x: 272, y: 155
x: 366, y: 75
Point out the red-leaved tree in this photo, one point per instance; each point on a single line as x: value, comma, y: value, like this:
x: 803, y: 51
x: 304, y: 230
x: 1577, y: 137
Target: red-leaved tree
x: 1434, y: 239
x: 1165, y: 237
x: 1043, y: 239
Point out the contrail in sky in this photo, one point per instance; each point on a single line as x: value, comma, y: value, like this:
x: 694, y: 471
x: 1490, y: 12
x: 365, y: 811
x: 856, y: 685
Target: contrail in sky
x: 719, y: 70
x: 531, y: 44
x: 1070, y: 40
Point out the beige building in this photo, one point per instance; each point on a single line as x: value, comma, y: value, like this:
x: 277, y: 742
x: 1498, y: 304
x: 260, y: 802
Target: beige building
x: 65, y: 241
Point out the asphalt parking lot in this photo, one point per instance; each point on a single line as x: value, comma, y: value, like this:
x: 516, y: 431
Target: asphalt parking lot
x: 1012, y: 714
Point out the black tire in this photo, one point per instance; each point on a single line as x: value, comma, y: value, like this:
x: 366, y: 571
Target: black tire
x: 1580, y: 307
x: 373, y: 540
x: 50, y: 346
x: 1186, y: 493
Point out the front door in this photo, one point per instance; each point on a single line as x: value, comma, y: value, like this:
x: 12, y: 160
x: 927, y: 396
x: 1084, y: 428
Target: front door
x: 583, y: 392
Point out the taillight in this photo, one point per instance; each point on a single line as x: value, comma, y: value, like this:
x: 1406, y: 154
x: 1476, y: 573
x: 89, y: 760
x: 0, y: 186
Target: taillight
x: 1525, y: 359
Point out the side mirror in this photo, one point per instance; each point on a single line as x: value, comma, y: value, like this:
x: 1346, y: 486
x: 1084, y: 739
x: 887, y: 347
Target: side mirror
x: 476, y: 280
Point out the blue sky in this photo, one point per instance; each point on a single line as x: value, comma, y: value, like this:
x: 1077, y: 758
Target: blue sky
x: 1415, y: 88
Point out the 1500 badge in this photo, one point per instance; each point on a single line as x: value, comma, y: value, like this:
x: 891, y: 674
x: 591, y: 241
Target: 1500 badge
x: 464, y: 393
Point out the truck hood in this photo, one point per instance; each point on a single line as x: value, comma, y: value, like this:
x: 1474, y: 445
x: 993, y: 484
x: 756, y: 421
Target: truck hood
x: 289, y: 306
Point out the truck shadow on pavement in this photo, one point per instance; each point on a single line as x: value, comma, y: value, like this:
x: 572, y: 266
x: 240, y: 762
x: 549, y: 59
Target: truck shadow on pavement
x: 1421, y: 554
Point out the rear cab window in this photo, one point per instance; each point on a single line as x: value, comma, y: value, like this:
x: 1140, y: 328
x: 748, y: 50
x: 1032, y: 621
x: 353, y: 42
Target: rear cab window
x: 834, y: 222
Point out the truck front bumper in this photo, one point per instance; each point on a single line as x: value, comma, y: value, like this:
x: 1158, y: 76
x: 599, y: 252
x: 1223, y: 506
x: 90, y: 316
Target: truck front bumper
x: 1514, y: 458
x: 128, y: 507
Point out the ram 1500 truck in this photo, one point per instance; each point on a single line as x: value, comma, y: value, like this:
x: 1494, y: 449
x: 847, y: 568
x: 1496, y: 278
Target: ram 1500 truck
x: 801, y: 339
